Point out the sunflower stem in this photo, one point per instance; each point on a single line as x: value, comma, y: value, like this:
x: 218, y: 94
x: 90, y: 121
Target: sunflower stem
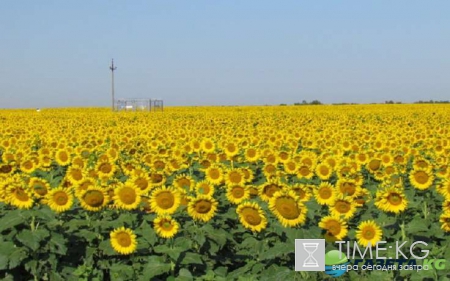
x: 32, y: 226
x: 402, y: 227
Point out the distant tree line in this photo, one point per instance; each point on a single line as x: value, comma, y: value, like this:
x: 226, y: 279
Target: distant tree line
x: 304, y: 102
x: 433, y: 101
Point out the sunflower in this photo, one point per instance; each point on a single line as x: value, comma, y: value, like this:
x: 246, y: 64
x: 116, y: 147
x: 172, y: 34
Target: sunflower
x: 204, y: 188
x: 290, y: 167
x: 202, y: 207
x: 248, y: 174
x: 19, y: 197
x: 237, y: 193
x: 373, y: 165
x: 184, y: 182
x: 305, y: 172
x: 268, y: 189
x: 28, y: 166
x: 336, y: 228
x: 251, y: 216
x: 78, y: 161
x: 165, y: 200
x: 123, y: 240
x: 251, y: 155
x: 325, y: 193
x: 421, y: 179
x: 391, y: 200
x: 166, y: 226
x: 75, y: 174
x: 157, y: 179
x: 39, y: 187
x: 62, y: 157
x: 127, y: 196
x: 59, y: 199
x: 269, y: 170
x: 324, y: 171
x: 347, y: 187
x: 93, y: 199
x: 368, y: 233
x: 234, y: 177
x: 7, y: 169
x: 444, y: 219
x: 207, y: 145
x: 231, y: 149
x: 446, y: 206
x: 303, y: 192
x: 84, y: 185
x: 105, y: 169
x: 286, y: 206
x: 444, y: 188
x: 214, y: 175
x: 343, y: 206
x: 142, y: 182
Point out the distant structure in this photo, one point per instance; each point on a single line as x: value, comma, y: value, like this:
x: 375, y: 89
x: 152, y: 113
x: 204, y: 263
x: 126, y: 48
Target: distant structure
x: 112, y: 82
x: 139, y: 105
x: 127, y: 104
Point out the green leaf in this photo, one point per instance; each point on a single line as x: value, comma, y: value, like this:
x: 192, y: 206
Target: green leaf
x: 58, y: 244
x: 88, y: 235
x: 185, y: 275
x: 192, y: 258
x: 10, y: 220
x: 106, y: 247
x: 242, y: 270
x: 28, y: 239
x: 18, y: 255
x: 250, y: 243
x: 276, y: 272
x: 155, y: 267
x: 277, y: 250
x: 183, y: 243
x: 219, y: 236
x: 417, y: 225
x: 148, y: 233
x: 221, y: 271
x: 173, y: 253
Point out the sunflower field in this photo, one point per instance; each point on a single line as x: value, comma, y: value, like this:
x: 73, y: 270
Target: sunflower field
x: 218, y: 193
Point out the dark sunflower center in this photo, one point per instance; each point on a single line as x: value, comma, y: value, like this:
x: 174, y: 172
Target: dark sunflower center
x: 123, y: 239
x: 251, y: 216
x: 94, y: 198
x: 127, y: 195
x: 287, y: 207
x: 203, y: 206
x: 165, y: 200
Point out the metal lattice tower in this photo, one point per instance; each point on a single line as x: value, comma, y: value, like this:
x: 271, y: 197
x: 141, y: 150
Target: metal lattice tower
x: 112, y: 83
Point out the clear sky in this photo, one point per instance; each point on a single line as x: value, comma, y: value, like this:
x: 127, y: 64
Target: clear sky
x: 57, y: 53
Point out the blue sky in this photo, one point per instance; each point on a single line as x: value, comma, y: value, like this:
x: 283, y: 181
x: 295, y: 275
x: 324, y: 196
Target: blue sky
x: 56, y: 53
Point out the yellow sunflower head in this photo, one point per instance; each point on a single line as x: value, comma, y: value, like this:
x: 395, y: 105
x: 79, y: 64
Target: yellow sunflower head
x: 251, y: 216
x: 368, y: 232
x: 93, y: 198
x: 236, y: 193
x: 336, y: 228
x: 421, y: 178
x: 59, y: 199
x: 165, y: 200
x: 166, y: 226
x: 287, y: 207
x: 325, y: 193
x: 123, y: 241
x: 202, y: 208
x: 204, y: 188
x: 127, y: 196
